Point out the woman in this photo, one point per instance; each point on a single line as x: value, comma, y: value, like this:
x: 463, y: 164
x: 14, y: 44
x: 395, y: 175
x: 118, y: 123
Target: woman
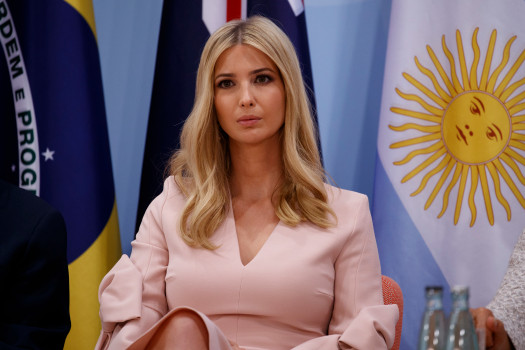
x: 247, y: 247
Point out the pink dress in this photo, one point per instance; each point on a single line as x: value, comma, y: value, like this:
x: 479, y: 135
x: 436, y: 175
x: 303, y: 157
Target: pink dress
x: 307, y: 288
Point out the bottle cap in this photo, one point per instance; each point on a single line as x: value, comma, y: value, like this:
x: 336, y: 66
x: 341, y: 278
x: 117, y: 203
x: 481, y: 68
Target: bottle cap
x: 434, y: 288
x: 459, y: 289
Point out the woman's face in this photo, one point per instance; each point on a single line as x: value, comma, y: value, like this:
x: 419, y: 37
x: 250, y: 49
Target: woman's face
x: 249, y: 96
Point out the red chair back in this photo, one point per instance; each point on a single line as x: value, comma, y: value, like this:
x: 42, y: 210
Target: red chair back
x: 392, y: 294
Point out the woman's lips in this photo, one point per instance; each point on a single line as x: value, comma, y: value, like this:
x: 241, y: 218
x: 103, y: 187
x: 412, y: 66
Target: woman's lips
x: 248, y: 120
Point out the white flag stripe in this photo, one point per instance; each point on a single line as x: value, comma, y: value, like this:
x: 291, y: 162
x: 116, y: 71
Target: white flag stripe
x: 244, y: 9
x: 213, y: 14
x: 297, y: 6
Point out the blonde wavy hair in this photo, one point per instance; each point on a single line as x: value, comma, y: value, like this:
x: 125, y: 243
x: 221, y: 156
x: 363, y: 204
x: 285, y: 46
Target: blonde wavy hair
x: 201, y: 166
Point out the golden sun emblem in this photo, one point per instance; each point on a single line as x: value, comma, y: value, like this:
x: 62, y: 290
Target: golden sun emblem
x: 473, y: 127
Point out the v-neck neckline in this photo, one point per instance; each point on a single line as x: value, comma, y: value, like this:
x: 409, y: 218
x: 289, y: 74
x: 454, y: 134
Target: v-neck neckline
x: 236, y: 238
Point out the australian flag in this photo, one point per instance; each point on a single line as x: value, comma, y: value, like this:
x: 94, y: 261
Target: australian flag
x: 185, y: 27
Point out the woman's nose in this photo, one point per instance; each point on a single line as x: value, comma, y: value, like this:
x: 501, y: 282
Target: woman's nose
x: 246, y: 98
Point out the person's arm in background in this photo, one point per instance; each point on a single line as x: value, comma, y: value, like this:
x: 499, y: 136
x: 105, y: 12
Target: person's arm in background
x: 496, y: 336
x: 504, y: 317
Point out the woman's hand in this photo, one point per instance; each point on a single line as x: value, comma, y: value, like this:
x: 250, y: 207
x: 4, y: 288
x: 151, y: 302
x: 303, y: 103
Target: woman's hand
x: 235, y: 346
x: 496, y: 337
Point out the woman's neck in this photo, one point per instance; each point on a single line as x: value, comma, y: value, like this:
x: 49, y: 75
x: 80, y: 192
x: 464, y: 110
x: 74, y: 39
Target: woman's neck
x: 255, y: 171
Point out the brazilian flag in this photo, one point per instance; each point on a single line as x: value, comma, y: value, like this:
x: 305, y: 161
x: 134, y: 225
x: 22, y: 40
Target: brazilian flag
x: 54, y: 140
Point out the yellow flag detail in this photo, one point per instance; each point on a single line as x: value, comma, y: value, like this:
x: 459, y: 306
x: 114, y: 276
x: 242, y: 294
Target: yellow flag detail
x: 85, y: 8
x: 85, y: 274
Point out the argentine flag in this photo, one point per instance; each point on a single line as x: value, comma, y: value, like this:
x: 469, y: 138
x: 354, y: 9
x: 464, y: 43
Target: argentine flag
x: 449, y: 191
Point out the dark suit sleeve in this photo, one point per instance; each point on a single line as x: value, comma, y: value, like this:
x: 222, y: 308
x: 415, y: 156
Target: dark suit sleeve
x: 38, y: 305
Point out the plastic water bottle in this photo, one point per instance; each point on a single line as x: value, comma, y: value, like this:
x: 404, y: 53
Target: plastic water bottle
x: 433, y: 325
x: 461, y: 331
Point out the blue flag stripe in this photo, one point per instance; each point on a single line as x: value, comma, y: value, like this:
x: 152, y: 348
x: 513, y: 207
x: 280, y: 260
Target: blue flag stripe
x: 412, y: 259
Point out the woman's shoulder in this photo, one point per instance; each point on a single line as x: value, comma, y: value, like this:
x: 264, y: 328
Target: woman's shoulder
x: 340, y: 197
x: 171, y: 195
x: 171, y: 188
x: 352, y: 210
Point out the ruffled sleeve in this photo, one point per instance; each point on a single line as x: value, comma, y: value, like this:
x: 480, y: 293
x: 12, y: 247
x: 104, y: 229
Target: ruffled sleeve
x: 360, y: 320
x: 371, y: 329
x: 119, y: 294
x: 132, y: 295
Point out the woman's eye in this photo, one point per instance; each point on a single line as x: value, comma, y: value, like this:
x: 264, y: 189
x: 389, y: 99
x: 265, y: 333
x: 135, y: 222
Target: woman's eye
x: 224, y: 84
x: 262, y: 79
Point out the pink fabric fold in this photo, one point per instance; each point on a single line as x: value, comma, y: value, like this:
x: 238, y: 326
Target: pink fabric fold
x: 328, y: 342
x: 371, y: 329
x: 120, y: 294
x: 217, y: 340
x: 373, y: 326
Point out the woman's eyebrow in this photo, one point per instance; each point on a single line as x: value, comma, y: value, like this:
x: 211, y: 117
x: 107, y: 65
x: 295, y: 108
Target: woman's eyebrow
x: 260, y: 70
x: 224, y: 75
x: 255, y: 71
